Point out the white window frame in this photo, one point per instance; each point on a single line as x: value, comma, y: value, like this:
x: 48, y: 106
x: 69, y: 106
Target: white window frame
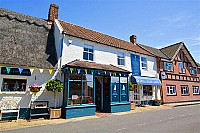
x: 144, y: 62
x: 184, y: 89
x: 13, y: 77
x: 120, y: 56
x: 169, y: 66
x: 89, y: 47
x: 195, y: 89
x: 171, y: 88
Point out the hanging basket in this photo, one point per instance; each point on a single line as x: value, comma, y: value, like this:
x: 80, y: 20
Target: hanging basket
x: 35, y: 88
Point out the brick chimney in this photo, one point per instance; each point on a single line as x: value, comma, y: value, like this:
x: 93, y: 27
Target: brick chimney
x: 53, y: 13
x: 133, y: 39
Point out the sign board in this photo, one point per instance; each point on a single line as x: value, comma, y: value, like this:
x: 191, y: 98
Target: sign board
x: 135, y: 64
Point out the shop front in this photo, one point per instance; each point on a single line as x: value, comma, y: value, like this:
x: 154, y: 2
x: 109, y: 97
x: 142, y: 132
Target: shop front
x: 91, y: 87
x: 145, y: 90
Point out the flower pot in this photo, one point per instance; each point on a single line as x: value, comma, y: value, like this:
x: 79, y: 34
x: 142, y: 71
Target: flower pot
x: 55, y: 113
x: 156, y: 104
x: 34, y: 90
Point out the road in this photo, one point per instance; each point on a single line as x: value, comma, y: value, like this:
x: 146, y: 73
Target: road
x: 180, y: 119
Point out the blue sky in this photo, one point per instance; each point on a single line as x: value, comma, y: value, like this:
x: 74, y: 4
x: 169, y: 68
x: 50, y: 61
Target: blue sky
x: 156, y: 23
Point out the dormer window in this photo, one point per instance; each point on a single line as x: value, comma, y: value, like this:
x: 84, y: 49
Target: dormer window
x: 168, y: 66
x: 144, y: 62
x: 88, y: 52
x: 120, y: 58
x: 181, y: 67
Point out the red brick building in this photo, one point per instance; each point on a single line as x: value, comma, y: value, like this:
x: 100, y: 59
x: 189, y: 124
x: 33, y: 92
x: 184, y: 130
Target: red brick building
x: 179, y: 73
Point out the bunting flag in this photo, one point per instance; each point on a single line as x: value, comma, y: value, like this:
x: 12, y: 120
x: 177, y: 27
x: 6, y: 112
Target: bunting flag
x: 92, y: 71
x: 124, y: 75
x: 115, y: 73
x: 110, y: 73
x: 58, y: 70
x: 64, y: 70
x: 31, y: 70
x: 41, y: 70
x: 79, y: 70
x: 8, y: 69
x: 50, y: 71
x: 71, y: 70
x: 20, y: 70
x: 119, y: 74
x: 98, y: 72
x: 85, y: 71
x: 105, y: 72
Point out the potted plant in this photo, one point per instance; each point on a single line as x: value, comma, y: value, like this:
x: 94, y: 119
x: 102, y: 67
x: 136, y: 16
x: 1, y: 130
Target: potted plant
x: 156, y: 102
x: 131, y: 93
x: 35, y: 88
x: 54, y: 85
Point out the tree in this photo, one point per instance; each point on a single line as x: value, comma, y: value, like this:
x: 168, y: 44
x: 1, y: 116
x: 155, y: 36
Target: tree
x: 54, y: 85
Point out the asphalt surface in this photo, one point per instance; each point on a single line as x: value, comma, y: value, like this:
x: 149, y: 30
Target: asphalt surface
x: 176, y: 120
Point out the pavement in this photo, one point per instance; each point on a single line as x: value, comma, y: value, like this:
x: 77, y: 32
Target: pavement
x: 4, y: 126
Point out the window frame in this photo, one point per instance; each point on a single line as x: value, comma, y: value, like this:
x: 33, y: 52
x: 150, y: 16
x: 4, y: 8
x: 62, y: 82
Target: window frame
x: 14, y: 77
x: 186, y: 88
x: 120, y: 58
x: 182, y: 68
x: 174, y: 88
x: 143, y: 62
x: 195, y: 87
x: 193, y: 70
x: 88, y: 52
x: 167, y: 66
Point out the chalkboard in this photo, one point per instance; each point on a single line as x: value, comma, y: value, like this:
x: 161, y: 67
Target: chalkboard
x: 135, y: 64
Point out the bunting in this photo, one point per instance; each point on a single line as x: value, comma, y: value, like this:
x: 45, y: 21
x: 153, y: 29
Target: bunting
x: 119, y: 74
x: 8, y: 69
x: 79, y: 70
x: 71, y: 70
x: 105, y: 72
x: 31, y: 70
x: 50, y: 71
x: 110, y: 73
x: 41, y: 70
x: 92, y: 71
x: 85, y: 71
x: 115, y: 73
x: 20, y: 70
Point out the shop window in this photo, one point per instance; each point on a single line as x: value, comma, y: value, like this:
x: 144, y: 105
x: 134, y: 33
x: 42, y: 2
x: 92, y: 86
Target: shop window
x: 137, y: 95
x: 147, y: 90
x: 87, y: 89
x: 120, y: 58
x: 88, y: 52
x: 144, y: 62
x: 124, y: 88
x: 14, y: 85
x: 181, y: 67
x: 171, y: 90
x: 74, y: 89
x: 168, y: 66
x: 184, y: 90
x: 115, y: 89
x: 195, y: 89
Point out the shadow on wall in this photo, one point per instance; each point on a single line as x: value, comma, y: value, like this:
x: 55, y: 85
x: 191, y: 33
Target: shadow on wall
x: 50, y: 47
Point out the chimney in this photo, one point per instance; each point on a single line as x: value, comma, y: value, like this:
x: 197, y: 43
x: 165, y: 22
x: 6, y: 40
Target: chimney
x: 53, y: 13
x: 133, y: 39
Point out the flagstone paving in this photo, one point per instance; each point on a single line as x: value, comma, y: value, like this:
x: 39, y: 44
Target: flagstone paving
x: 5, y: 125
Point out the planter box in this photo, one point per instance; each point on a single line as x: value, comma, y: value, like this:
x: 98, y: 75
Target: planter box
x: 55, y: 113
x: 132, y: 106
x: 156, y: 104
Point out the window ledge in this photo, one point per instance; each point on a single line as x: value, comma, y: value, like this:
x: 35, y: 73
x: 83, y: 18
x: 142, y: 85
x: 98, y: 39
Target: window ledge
x: 185, y: 94
x: 12, y: 93
x: 195, y: 93
x: 171, y: 95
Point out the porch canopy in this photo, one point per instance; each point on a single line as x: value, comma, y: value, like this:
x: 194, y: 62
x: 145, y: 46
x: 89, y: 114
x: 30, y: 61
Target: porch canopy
x: 145, y: 80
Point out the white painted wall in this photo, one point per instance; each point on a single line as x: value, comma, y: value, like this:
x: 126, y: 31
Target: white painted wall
x: 27, y: 96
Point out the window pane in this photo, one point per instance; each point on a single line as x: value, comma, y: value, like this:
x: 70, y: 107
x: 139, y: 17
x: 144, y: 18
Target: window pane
x: 144, y: 65
x: 87, y: 93
x: 114, y: 79
x: 14, y: 85
x: 122, y: 62
x: 147, y: 90
x: 74, y: 92
x: 75, y: 76
x: 143, y: 59
x: 120, y: 54
x: 87, y: 77
x: 85, y: 56
x: 91, y: 50
x: 91, y: 57
x: 85, y: 49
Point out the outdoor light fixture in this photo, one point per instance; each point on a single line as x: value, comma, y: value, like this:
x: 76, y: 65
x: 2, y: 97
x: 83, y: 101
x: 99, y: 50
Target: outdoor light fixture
x: 70, y: 41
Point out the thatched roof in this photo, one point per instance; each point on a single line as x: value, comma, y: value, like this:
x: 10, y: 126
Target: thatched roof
x: 26, y: 41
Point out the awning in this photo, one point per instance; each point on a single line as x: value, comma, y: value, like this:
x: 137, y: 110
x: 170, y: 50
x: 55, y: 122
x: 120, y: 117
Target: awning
x: 145, y: 80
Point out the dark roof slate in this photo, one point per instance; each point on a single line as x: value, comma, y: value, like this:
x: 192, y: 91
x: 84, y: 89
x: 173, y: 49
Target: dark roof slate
x: 91, y: 35
x: 26, y: 41
x: 93, y: 65
x: 155, y: 51
x: 171, y: 50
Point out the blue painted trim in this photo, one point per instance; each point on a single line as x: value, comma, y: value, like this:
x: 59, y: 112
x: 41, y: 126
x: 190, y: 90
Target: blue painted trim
x: 80, y: 106
x: 81, y: 87
x: 93, y: 88
x: 127, y: 89
x: 110, y: 90
x: 119, y: 89
x: 68, y: 86
x: 119, y: 103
